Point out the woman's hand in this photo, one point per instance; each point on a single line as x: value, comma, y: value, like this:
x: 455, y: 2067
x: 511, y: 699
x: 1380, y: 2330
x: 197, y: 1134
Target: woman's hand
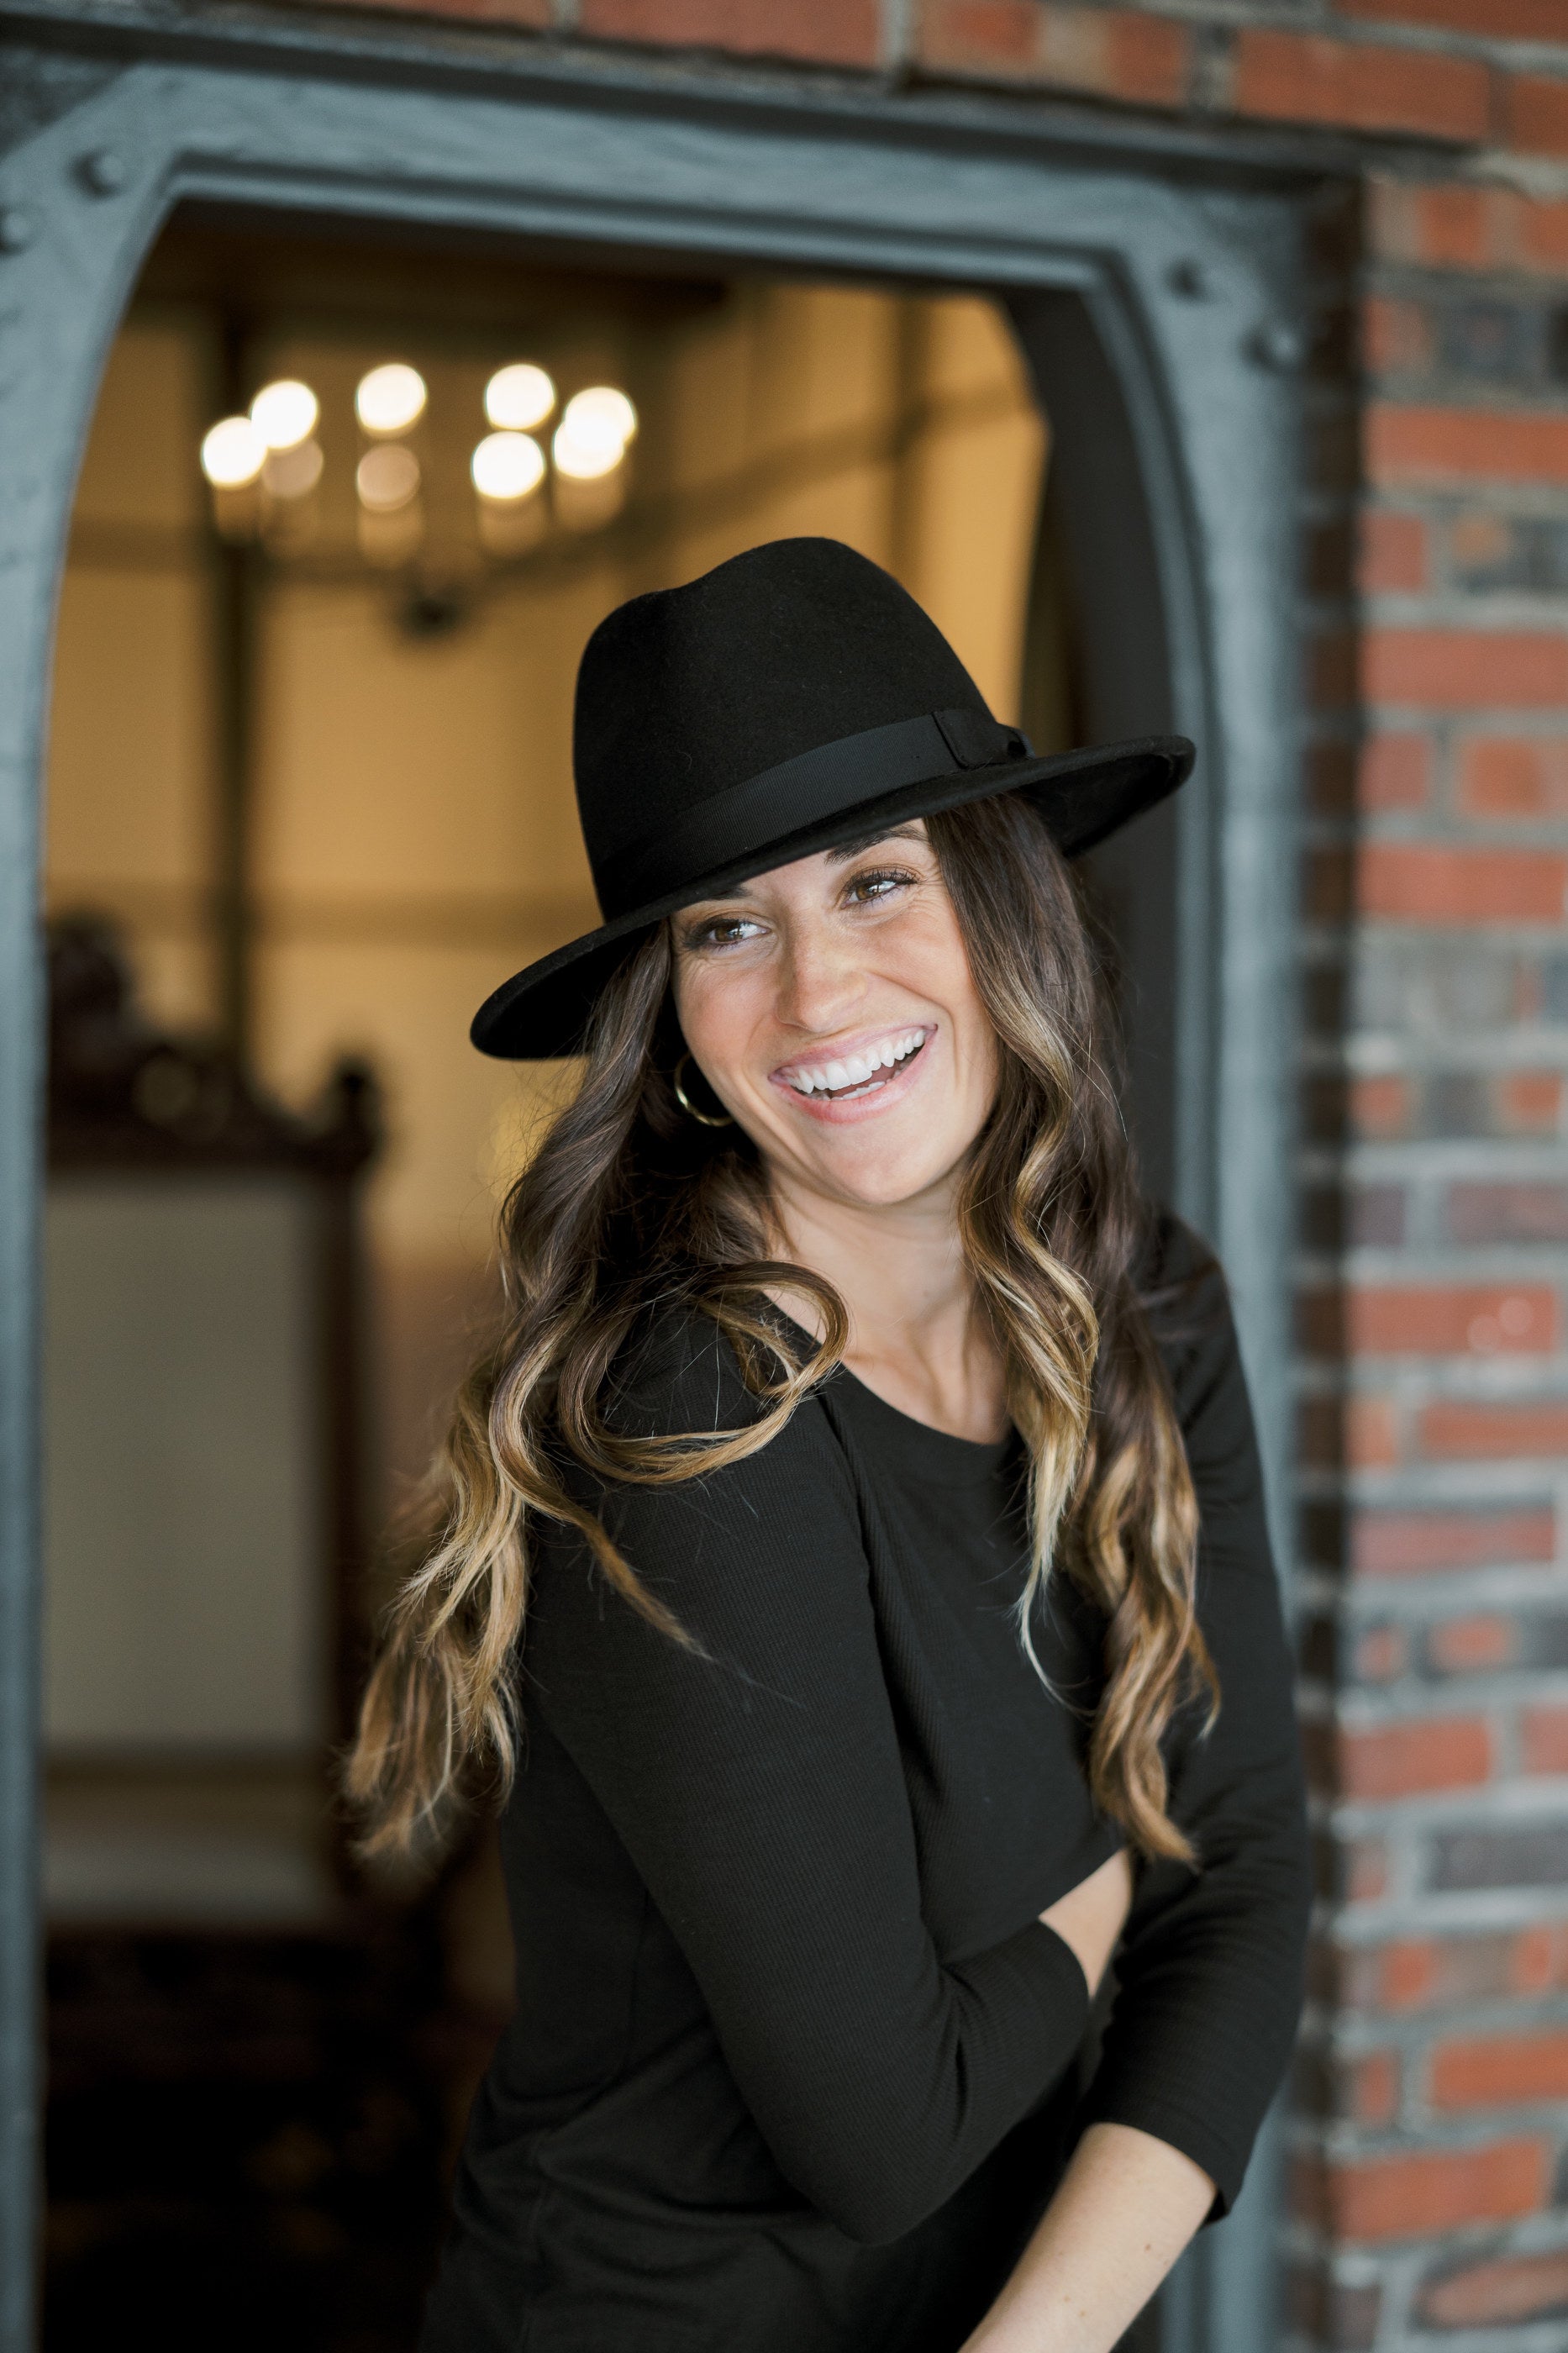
x: 1090, y: 1916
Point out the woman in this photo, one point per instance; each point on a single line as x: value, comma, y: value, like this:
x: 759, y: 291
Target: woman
x: 853, y: 1570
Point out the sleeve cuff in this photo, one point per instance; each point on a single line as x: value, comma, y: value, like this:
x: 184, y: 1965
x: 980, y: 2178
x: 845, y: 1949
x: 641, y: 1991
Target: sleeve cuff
x: 1221, y: 2159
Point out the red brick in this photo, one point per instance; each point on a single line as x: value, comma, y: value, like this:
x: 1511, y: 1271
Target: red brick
x: 1496, y: 20
x: 1498, y: 2290
x: 1475, y: 1430
x: 1362, y: 1432
x: 1441, y: 445
x: 1414, y: 1544
x: 1402, y: 1760
x: 1530, y: 1102
x: 1514, y: 776
x: 1493, y: 2071
x: 1455, y: 227
x: 1396, y: 334
x: 1449, y: 227
x: 1508, y: 1213
x: 1109, y: 52
x: 1443, y: 1973
x: 1477, y: 540
x: 1371, y: 1433
x: 1379, y: 1106
x: 1381, y: 1655
x: 1392, y: 553
x: 1301, y: 77
x: 1428, y: 2192
x: 1535, y: 114
x: 1366, y: 1870
x: 1371, y: 2096
x: 1469, y: 1645
x: 1395, y: 772
x: 1541, y: 235
x: 1538, y: 1962
x: 1425, y: 883
x: 1449, y: 1319
x: 1543, y: 1737
x: 823, y: 32
x: 1455, y: 669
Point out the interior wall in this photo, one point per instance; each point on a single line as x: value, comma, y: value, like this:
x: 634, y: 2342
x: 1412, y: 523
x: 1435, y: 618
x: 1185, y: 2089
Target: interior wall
x: 412, y: 833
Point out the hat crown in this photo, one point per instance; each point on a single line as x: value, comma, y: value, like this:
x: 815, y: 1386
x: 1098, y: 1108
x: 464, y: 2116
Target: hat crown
x: 686, y: 693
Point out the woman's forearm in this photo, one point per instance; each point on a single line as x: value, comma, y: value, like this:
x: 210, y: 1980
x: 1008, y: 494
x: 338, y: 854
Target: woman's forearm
x: 1127, y: 2206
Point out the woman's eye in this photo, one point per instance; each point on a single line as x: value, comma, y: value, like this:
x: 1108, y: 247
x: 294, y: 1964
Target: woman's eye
x: 721, y: 932
x: 866, y: 890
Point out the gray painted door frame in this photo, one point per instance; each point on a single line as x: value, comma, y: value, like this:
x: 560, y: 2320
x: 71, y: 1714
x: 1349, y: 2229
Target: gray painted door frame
x: 1155, y: 300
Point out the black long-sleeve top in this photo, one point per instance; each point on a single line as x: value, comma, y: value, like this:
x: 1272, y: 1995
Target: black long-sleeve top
x: 794, y: 2065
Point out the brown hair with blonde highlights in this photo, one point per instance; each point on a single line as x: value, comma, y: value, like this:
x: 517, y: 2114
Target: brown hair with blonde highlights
x: 627, y: 1202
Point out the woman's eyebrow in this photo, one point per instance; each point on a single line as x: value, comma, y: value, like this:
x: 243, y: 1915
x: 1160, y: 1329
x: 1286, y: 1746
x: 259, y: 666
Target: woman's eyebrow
x: 846, y: 849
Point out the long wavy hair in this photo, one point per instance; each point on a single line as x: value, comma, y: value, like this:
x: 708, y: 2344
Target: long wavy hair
x: 628, y: 1201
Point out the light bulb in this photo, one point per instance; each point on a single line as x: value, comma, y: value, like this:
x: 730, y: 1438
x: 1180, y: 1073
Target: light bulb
x: 285, y: 412
x: 388, y: 477
x: 601, y: 414
x: 507, y: 466
x: 585, y: 457
x: 233, y: 454
x: 518, y: 396
x: 390, y: 398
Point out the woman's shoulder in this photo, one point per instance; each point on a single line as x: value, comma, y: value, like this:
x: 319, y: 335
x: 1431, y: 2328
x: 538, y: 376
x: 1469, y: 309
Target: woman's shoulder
x: 679, y: 1375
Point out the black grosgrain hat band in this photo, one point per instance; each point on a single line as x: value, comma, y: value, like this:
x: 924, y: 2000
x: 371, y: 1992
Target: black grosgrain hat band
x: 797, y: 793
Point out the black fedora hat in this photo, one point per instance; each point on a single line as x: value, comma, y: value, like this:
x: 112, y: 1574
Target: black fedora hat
x: 788, y: 700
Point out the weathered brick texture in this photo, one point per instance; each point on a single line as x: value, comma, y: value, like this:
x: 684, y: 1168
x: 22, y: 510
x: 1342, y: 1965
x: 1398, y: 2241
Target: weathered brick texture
x: 1430, y: 2143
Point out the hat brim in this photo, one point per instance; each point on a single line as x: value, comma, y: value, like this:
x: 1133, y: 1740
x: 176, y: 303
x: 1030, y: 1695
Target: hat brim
x: 541, y: 1013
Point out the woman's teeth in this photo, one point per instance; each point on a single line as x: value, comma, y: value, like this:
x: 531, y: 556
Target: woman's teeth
x: 854, y: 1070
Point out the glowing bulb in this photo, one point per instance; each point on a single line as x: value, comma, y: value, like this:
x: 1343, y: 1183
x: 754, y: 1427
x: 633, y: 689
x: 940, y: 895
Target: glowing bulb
x: 507, y: 466
x: 387, y: 478
x: 285, y: 412
x: 233, y: 454
x: 391, y: 399
x: 519, y: 397
x: 585, y: 460
x: 601, y: 414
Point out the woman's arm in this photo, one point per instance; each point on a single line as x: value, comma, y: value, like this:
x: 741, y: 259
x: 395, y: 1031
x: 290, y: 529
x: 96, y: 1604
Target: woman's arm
x: 1209, y: 1969
x: 1126, y: 2207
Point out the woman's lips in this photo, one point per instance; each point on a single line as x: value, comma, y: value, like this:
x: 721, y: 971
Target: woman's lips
x: 853, y: 1096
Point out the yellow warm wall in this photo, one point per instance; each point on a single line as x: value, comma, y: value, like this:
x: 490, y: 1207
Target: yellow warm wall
x: 414, y: 836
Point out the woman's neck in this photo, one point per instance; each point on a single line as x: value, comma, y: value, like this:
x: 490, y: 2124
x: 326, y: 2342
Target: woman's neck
x: 917, y: 1336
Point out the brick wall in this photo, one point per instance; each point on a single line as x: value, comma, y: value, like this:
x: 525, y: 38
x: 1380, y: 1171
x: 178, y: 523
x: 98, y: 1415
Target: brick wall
x: 1431, y: 2158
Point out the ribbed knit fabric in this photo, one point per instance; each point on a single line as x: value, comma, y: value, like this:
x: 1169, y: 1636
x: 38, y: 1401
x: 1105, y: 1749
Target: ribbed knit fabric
x: 794, y: 2066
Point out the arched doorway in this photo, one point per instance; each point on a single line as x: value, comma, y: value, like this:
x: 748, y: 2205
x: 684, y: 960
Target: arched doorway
x: 1151, y: 310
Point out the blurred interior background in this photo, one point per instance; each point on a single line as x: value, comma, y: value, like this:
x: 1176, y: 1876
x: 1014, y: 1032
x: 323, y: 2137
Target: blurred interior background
x: 310, y: 801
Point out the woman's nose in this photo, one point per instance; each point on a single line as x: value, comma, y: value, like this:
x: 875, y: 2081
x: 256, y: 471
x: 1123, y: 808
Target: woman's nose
x: 820, y: 981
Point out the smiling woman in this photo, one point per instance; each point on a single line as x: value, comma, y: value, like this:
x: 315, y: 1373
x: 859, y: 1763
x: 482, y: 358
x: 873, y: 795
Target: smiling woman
x: 861, y: 1515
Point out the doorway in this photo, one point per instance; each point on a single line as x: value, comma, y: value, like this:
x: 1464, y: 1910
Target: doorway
x: 1137, y: 305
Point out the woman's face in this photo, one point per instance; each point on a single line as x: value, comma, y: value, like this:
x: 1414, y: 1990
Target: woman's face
x: 831, y: 1007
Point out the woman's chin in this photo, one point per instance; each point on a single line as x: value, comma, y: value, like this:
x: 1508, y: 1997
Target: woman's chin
x: 869, y: 1170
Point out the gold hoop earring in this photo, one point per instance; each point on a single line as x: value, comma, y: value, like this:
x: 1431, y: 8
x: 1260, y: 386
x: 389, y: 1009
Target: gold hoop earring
x: 703, y: 1118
